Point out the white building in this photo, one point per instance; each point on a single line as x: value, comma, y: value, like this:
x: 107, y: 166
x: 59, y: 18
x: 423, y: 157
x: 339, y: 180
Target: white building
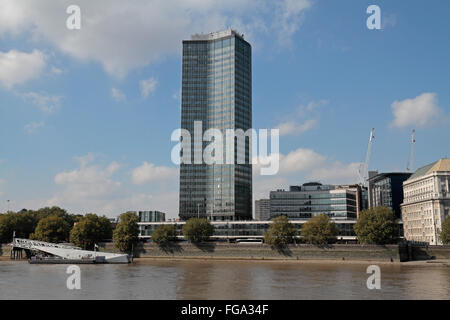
x: 426, y: 202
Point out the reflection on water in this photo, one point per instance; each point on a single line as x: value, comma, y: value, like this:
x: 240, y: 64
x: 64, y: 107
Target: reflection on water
x: 223, y: 280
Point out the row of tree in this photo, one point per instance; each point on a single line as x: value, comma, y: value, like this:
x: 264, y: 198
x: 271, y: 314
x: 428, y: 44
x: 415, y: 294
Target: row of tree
x: 374, y: 226
x: 56, y: 225
x: 194, y: 230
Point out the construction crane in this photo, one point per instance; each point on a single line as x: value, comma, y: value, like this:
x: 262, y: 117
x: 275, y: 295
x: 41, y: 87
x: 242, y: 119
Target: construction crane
x: 363, y: 171
x: 410, y: 165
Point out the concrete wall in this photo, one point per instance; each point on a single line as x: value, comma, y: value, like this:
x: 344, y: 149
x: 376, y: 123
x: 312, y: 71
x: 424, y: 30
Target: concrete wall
x: 422, y: 252
x: 5, y: 250
x: 262, y: 251
x: 293, y: 252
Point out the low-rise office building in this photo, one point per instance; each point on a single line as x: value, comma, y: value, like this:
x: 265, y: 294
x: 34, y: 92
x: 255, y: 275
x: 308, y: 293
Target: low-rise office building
x: 426, y: 202
x: 386, y: 189
x: 232, y: 230
x: 310, y: 199
x: 151, y: 216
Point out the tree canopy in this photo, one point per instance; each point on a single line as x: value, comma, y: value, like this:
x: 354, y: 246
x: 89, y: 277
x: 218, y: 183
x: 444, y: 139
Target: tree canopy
x: 376, y: 226
x: 52, y: 229
x: 281, y: 232
x: 164, y: 234
x: 198, y: 230
x: 444, y: 234
x: 25, y: 221
x: 319, y: 230
x: 89, y: 230
x: 126, y: 232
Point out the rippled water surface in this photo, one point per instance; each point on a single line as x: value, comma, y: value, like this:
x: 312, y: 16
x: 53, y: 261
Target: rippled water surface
x: 223, y: 280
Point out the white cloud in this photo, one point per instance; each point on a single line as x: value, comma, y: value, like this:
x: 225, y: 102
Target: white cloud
x: 336, y: 173
x: 289, y: 16
x: 89, y: 188
x: 300, y: 166
x: 312, y: 165
x: 88, y: 182
x: 300, y: 160
x: 33, y: 126
x: 45, y: 102
x: 311, y: 106
x: 420, y: 111
x: 18, y: 67
x: 149, y: 172
x: 118, y: 95
x: 94, y: 188
x: 295, y: 128
x: 56, y: 70
x: 122, y: 36
x: 305, y: 118
x: 147, y: 86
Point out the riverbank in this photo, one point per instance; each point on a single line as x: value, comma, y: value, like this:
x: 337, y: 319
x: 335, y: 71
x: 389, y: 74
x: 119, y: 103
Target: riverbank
x: 300, y: 252
x: 297, y: 252
x: 152, y: 260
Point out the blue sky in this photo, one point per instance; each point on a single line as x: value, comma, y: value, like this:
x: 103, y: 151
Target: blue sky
x: 86, y: 115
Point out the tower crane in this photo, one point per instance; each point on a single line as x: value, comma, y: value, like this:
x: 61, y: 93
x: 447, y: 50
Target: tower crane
x: 410, y: 165
x: 364, y: 167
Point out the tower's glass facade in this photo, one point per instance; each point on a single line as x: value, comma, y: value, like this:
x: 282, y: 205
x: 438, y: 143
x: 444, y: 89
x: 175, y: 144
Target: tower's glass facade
x: 216, y: 90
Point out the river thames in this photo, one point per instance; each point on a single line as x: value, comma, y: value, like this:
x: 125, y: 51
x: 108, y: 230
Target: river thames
x: 156, y: 279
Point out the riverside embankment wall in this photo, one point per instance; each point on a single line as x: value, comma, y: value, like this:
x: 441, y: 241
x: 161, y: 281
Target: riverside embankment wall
x: 262, y: 251
x: 213, y: 250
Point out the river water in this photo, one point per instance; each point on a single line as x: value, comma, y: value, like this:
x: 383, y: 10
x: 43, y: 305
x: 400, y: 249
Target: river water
x: 224, y: 280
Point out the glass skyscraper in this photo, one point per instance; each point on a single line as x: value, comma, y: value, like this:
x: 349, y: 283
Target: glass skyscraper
x: 216, y: 90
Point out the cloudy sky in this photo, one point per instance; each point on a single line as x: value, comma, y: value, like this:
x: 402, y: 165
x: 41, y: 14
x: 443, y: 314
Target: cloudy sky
x: 86, y: 115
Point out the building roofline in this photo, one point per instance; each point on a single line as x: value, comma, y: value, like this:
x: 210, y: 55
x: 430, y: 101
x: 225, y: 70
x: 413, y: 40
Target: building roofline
x: 215, y: 35
x: 386, y: 174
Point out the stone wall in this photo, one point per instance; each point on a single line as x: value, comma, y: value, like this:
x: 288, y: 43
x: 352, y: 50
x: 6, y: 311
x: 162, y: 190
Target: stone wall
x: 423, y: 252
x: 262, y: 251
x: 5, y: 250
x: 221, y: 250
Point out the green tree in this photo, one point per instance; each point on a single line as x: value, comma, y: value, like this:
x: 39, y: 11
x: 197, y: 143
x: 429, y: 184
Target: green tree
x: 281, y: 232
x: 54, y: 211
x: 164, y: 234
x: 198, y: 230
x: 444, y: 234
x: 319, y: 230
x: 89, y: 230
x: 6, y: 227
x: 376, y: 226
x: 52, y: 229
x: 23, y: 223
x: 126, y: 232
